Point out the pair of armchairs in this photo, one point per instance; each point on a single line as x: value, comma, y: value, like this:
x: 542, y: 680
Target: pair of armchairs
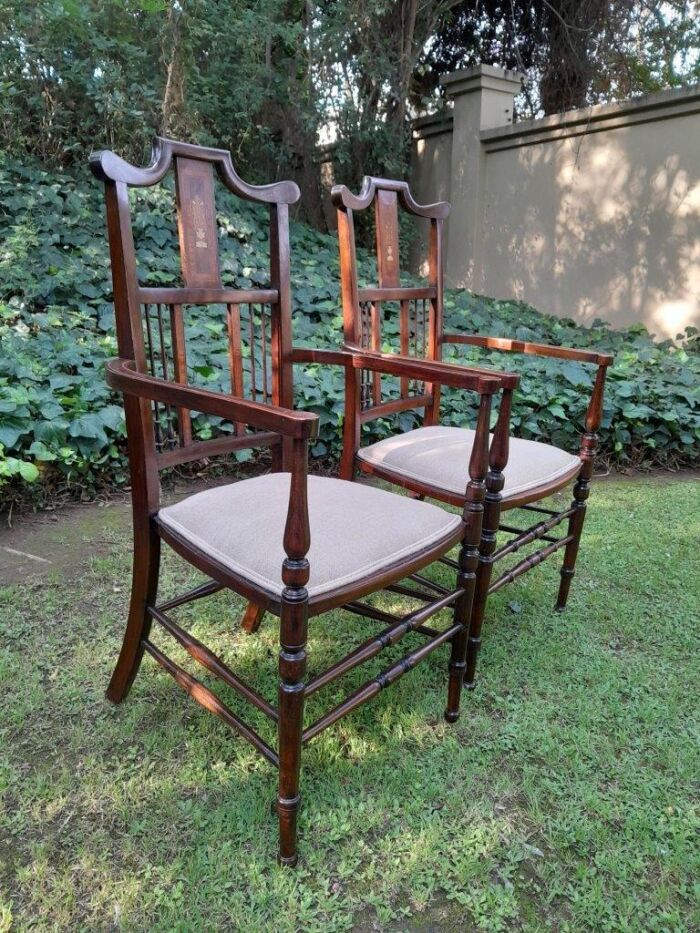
x: 297, y: 545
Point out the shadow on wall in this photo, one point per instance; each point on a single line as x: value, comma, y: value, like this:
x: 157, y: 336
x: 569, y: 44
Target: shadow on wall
x: 430, y: 181
x: 604, y: 225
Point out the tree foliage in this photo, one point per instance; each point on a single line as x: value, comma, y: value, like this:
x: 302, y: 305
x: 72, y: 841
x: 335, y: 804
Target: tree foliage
x: 270, y: 79
x: 572, y: 52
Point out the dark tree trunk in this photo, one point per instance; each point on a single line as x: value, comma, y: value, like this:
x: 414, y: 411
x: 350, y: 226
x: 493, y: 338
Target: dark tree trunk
x: 572, y: 29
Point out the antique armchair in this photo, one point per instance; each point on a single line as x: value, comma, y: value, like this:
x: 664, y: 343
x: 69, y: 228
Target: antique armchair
x: 429, y: 460
x: 294, y: 545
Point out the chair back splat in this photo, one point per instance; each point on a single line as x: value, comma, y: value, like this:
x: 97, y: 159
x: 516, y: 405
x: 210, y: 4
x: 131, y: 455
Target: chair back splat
x: 152, y: 321
x: 365, y: 310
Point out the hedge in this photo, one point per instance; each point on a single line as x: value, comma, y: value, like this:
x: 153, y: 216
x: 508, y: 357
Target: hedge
x: 61, y: 427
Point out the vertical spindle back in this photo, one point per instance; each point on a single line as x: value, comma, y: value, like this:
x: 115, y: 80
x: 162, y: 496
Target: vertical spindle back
x: 152, y: 323
x: 415, y: 311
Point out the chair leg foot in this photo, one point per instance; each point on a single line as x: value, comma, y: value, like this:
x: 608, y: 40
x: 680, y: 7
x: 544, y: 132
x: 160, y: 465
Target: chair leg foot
x: 456, y: 676
x: 143, y: 593
x: 287, y: 853
x: 473, y: 647
x: 567, y: 575
x: 287, y: 862
x: 252, y: 617
x: 292, y: 671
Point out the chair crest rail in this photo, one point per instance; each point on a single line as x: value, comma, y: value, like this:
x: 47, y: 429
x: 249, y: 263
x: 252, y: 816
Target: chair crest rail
x: 342, y: 197
x: 108, y: 166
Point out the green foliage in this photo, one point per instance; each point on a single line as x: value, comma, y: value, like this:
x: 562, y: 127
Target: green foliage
x: 59, y: 419
x: 74, y: 70
x: 268, y: 78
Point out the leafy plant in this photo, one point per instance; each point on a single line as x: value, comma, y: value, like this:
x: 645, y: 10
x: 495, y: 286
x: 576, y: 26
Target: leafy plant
x: 60, y: 423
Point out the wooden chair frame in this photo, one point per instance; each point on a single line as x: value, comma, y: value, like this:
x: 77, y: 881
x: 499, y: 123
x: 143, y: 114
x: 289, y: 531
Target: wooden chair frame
x: 144, y: 380
x: 362, y: 334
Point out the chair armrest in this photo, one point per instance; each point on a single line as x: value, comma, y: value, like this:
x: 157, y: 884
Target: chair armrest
x: 122, y: 375
x: 538, y: 349
x: 324, y: 357
x: 484, y: 381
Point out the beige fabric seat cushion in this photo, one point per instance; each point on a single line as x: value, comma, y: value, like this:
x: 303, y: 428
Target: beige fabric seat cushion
x: 440, y: 456
x: 356, y: 530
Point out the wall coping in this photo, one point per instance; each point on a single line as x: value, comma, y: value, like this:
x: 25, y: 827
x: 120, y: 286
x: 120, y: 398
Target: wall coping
x: 651, y: 107
x: 433, y: 125
x: 470, y: 80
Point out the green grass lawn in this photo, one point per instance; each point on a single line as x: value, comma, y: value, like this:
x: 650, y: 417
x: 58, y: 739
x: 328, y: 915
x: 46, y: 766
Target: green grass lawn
x: 565, y: 798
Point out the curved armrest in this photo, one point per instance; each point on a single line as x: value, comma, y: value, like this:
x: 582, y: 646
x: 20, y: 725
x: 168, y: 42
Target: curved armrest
x: 484, y: 381
x: 323, y: 357
x: 450, y: 374
x: 122, y: 375
x: 538, y: 349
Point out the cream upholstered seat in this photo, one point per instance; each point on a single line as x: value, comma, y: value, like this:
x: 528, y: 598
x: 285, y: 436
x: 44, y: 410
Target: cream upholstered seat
x: 439, y: 456
x: 356, y: 530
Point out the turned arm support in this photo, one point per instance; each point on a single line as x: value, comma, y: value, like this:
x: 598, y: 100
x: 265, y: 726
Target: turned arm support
x: 297, y: 532
x: 594, y: 413
x: 479, y: 459
x: 123, y: 376
x: 594, y: 416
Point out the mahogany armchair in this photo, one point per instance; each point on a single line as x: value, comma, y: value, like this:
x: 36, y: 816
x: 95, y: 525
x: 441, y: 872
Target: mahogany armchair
x: 293, y: 544
x: 429, y: 460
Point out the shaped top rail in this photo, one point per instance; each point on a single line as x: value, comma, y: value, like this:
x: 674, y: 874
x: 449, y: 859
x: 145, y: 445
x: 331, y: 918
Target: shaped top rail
x: 343, y: 197
x: 108, y: 166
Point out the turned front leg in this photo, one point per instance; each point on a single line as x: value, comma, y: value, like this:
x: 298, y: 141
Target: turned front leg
x: 292, y: 671
x: 468, y: 558
x: 581, y: 493
x: 589, y: 446
x: 495, y: 480
x: 292, y: 658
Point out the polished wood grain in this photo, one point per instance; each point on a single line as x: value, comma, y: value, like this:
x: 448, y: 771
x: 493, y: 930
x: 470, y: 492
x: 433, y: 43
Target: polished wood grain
x: 211, y: 662
x: 386, y: 196
x: 122, y: 376
x: 207, y: 296
x: 151, y: 372
x: 395, y: 293
x: 208, y: 699
x: 196, y: 215
x: 539, y: 349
